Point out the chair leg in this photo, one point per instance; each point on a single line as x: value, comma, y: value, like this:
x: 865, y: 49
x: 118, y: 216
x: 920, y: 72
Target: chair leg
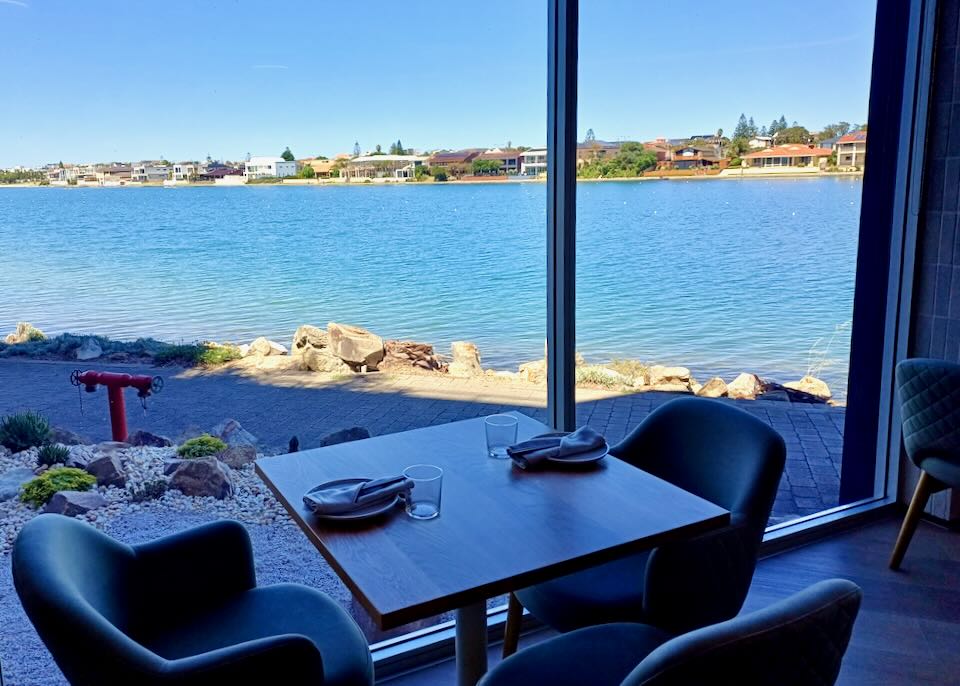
x: 511, y: 633
x: 925, y: 486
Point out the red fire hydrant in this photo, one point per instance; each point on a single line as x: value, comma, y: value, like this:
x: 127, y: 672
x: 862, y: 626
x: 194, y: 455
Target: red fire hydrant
x: 115, y: 384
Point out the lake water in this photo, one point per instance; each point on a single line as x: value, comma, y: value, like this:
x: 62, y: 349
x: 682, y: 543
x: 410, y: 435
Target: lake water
x: 717, y: 275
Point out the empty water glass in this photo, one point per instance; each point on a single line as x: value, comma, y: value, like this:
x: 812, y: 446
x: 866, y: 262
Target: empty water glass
x: 423, y: 500
x: 501, y: 434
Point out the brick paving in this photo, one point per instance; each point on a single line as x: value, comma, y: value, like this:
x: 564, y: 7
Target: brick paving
x: 275, y: 406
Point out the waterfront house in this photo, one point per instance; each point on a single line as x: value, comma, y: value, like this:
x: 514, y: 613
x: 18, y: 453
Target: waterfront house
x: 268, y: 166
x: 509, y: 159
x: 533, y: 162
x: 760, y: 142
x: 188, y: 171
x: 695, y: 156
x: 218, y: 170
x: 62, y: 174
x: 114, y: 174
x: 661, y: 148
x: 591, y: 151
x: 852, y: 150
x: 145, y: 172
x: 322, y: 169
x: 455, y: 162
x: 796, y: 155
x: 382, y: 167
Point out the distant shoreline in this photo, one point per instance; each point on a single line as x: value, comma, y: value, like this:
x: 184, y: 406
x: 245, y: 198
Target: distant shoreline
x: 458, y: 182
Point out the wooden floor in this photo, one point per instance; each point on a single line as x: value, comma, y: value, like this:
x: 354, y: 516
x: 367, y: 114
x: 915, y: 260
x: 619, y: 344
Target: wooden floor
x: 908, y: 631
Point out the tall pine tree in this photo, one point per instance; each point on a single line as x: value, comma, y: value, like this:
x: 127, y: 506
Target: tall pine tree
x: 742, y: 129
x: 752, y: 128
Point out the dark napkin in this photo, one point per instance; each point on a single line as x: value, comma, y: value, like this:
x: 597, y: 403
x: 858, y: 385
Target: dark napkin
x: 347, y: 498
x: 535, y: 451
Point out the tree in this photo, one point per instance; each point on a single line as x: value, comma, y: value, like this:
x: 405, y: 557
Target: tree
x: 782, y: 124
x: 321, y: 157
x: 287, y: 155
x: 356, y: 148
x: 752, y: 128
x: 632, y: 160
x: 486, y: 167
x: 377, y: 150
x: 590, y: 137
x: 774, y: 127
x: 834, y: 130
x: 719, y: 134
x: 763, y: 131
x: 308, y: 172
x: 397, y: 148
x: 438, y: 173
x: 742, y: 129
x: 794, y: 134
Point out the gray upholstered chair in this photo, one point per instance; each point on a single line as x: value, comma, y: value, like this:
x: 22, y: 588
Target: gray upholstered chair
x: 180, y: 610
x: 799, y: 641
x: 707, y: 447
x: 929, y: 394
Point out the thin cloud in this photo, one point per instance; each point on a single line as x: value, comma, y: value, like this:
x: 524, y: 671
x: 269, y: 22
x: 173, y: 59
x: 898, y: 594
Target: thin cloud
x: 17, y: 3
x: 262, y: 66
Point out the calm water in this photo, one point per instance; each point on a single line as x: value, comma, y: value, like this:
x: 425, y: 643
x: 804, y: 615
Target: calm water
x: 720, y: 276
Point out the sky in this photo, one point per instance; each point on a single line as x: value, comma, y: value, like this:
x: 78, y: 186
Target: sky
x: 104, y: 80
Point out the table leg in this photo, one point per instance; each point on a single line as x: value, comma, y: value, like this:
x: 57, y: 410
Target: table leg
x: 471, y: 644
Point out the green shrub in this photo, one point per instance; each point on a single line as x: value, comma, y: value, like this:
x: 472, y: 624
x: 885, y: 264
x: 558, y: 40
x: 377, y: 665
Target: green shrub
x: 151, y: 490
x: 52, y: 454
x: 595, y: 376
x: 193, y: 354
x: 38, y: 492
x: 212, y: 355
x: 24, y: 430
x: 634, y: 370
x: 201, y: 446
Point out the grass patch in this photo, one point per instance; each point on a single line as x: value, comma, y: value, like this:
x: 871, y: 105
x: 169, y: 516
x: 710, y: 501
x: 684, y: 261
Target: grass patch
x: 52, y: 454
x: 24, y: 430
x: 634, y: 370
x: 193, y: 354
x: 597, y: 376
x: 37, y: 492
x: 201, y: 446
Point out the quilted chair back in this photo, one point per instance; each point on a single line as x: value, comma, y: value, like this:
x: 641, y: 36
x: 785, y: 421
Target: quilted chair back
x: 929, y: 393
x: 799, y: 641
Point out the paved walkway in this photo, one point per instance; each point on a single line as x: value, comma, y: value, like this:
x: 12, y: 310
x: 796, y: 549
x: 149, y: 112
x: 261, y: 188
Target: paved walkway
x: 275, y: 406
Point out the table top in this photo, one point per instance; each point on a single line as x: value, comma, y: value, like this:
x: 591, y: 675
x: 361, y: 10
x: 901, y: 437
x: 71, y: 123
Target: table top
x: 500, y: 528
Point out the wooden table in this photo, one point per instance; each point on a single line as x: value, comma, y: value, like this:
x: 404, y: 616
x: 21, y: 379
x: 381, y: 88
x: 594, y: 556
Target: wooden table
x: 500, y: 528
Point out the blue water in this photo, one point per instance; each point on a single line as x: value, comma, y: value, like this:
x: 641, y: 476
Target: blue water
x: 718, y: 275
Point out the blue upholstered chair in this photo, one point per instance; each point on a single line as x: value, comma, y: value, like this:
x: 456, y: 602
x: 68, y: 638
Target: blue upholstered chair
x: 707, y: 447
x: 799, y: 641
x: 180, y: 610
x: 929, y: 394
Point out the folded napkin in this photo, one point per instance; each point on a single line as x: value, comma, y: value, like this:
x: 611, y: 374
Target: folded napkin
x: 535, y: 451
x: 347, y: 498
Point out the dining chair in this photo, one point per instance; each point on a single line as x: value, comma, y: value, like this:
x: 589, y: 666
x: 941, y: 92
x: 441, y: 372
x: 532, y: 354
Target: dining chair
x: 184, y: 609
x: 709, y: 448
x: 799, y: 641
x: 929, y: 395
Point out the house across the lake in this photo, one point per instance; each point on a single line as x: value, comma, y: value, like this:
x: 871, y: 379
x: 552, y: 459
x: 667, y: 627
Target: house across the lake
x: 695, y: 156
x: 533, y: 162
x: 268, y: 166
x: 509, y: 159
x: 383, y: 167
x: 852, y: 150
x: 796, y: 156
x: 455, y: 162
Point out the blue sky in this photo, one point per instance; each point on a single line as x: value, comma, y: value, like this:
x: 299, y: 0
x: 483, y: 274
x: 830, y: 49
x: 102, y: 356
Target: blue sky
x: 100, y: 80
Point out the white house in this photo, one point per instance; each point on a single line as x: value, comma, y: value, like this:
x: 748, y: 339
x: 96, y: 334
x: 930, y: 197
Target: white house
x: 185, y: 171
x: 760, y: 142
x: 150, y: 171
x: 383, y: 167
x: 266, y: 166
x: 533, y: 162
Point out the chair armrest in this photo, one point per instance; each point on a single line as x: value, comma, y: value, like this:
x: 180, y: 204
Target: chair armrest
x: 288, y: 658
x: 195, y: 568
x: 690, y: 584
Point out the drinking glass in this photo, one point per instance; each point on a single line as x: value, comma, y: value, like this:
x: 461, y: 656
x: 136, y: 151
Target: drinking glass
x: 423, y: 500
x: 501, y: 434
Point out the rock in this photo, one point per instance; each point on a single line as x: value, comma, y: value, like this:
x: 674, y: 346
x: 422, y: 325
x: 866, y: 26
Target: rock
x: 714, y: 388
x: 294, y: 445
x: 405, y: 356
x: 310, y: 351
x: 145, y: 438
x: 263, y: 346
x: 170, y: 465
x: 466, y: 359
x: 812, y: 385
x: 66, y: 437
x: 355, y: 346
x: 659, y: 375
x: 323, y: 361
x: 237, y: 456
x: 111, y: 447
x: 354, y: 433
x: 108, y: 470
x: 12, y: 480
x: 534, y: 372
x: 203, y: 476
x: 73, y: 503
x: 745, y: 387
x: 188, y: 433
x: 243, y: 349
x: 89, y: 349
x: 232, y: 433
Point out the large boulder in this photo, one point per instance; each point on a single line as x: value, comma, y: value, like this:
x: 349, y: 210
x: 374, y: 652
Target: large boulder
x: 811, y: 385
x: 89, y: 349
x: 310, y: 351
x: 534, y: 372
x: 714, y: 388
x: 745, y: 387
x: 237, y: 456
x: 12, y: 480
x: 354, y: 433
x: 108, y: 470
x: 146, y: 439
x: 401, y: 356
x: 355, y: 346
x: 232, y: 433
x: 58, y: 434
x: 466, y: 359
x: 73, y: 503
x: 263, y: 346
x: 203, y: 476
x: 659, y: 375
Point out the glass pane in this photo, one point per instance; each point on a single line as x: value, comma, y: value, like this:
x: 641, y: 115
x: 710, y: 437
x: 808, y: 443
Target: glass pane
x: 717, y: 250
x: 238, y: 173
